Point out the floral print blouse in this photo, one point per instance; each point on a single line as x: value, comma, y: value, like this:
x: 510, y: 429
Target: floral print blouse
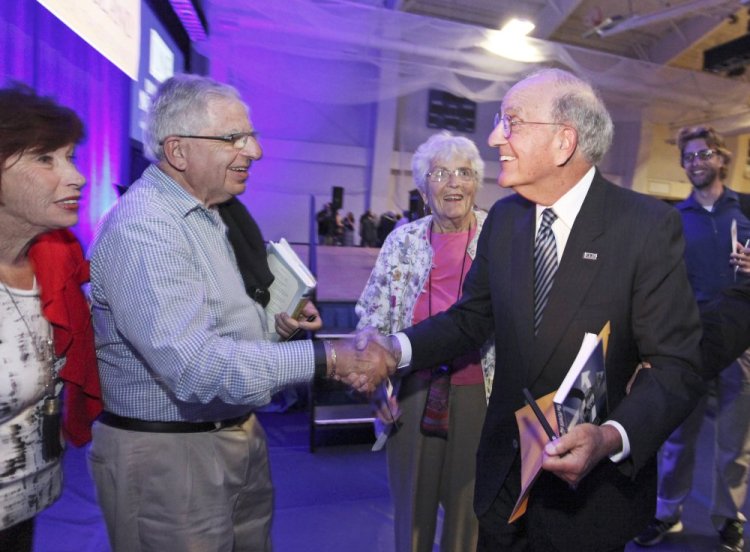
x: 399, y: 276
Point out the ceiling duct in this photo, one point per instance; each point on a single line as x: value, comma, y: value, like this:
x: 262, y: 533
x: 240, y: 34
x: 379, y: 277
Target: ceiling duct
x: 617, y: 24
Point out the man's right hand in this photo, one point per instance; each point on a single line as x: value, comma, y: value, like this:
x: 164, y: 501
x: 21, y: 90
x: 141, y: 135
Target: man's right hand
x: 363, y: 366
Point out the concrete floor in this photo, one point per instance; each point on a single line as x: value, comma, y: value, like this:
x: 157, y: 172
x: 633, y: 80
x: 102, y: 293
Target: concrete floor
x: 335, y: 500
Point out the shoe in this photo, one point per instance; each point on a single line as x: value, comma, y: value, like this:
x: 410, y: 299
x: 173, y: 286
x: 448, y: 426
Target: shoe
x: 654, y: 533
x: 731, y: 536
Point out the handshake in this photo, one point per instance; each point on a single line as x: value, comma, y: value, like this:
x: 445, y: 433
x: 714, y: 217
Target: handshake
x: 364, y: 361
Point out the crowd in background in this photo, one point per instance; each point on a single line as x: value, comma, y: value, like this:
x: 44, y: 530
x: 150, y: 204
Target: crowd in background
x: 337, y: 229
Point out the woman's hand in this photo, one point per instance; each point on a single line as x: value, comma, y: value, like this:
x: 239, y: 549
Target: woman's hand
x: 308, y: 320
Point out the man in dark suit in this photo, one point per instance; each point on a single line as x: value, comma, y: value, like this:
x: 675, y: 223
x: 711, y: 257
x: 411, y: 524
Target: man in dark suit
x: 619, y: 257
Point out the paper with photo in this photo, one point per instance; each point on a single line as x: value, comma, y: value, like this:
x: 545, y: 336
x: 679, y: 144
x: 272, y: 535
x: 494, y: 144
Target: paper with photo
x: 532, y: 441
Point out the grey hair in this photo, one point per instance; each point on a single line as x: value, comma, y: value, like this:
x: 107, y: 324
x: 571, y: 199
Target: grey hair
x: 579, y: 105
x: 180, y: 106
x: 444, y: 146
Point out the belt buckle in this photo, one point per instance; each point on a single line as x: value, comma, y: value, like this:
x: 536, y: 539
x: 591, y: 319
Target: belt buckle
x: 218, y: 426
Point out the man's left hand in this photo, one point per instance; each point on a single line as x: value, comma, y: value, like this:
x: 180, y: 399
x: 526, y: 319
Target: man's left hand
x: 308, y: 320
x: 575, y: 454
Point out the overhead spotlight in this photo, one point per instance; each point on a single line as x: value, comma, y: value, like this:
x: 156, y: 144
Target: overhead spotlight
x: 511, y: 42
x: 518, y: 27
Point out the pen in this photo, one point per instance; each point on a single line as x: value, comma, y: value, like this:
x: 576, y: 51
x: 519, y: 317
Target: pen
x: 539, y: 415
x: 294, y: 334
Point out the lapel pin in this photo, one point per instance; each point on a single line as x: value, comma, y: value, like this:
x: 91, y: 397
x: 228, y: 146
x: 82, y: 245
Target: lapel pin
x: 589, y: 256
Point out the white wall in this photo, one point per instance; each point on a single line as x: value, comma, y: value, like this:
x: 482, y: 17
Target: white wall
x: 310, y: 147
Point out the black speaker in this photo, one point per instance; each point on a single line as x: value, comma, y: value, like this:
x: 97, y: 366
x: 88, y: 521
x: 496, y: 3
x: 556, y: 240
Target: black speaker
x: 450, y: 112
x: 416, y: 205
x: 730, y: 56
x: 337, y: 197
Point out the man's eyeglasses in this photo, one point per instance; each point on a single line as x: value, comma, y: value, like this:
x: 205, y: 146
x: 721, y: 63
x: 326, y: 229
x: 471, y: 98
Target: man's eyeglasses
x: 509, y: 122
x: 703, y: 155
x: 238, y: 139
x: 462, y: 174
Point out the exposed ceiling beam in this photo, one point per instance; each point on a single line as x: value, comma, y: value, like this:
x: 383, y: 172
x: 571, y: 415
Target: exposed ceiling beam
x: 679, y: 39
x: 673, y: 12
x: 552, y: 16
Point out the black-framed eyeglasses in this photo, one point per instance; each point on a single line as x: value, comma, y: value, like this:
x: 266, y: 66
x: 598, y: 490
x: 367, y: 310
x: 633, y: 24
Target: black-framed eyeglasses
x: 441, y: 174
x: 509, y: 123
x: 703, y: 155
x: 238, y: 140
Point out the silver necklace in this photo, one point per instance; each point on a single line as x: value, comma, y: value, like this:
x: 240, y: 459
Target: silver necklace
x: 44, y: 350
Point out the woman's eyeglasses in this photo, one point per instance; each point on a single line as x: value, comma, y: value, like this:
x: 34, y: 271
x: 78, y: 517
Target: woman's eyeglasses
x: 462, y: 174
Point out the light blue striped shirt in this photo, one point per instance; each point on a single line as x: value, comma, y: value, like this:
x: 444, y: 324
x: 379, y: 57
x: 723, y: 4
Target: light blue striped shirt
x: 177, y: 337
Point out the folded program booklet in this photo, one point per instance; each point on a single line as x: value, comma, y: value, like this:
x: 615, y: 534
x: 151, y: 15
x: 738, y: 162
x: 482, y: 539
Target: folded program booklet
x: 582, y: 395
x: 581, y: 398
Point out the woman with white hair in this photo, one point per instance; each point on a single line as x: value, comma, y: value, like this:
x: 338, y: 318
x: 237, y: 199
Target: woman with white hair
x: 434, y: 417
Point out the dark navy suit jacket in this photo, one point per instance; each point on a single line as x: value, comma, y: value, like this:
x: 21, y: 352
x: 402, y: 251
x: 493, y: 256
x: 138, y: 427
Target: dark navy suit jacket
x: 622, y: 263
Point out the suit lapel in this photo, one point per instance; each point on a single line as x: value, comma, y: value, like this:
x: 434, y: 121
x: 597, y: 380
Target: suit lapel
x: 575, y: 274
x: 522, y: 280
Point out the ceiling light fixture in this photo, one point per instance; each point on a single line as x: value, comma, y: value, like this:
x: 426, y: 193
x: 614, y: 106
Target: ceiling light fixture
x: 606, y: 25
x: 512, y: 43
x: 518, y: 27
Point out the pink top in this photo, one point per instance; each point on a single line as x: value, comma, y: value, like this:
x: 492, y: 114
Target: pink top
x: 443, y: 288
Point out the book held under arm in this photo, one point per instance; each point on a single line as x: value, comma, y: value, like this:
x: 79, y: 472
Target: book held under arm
x: 292, y: 283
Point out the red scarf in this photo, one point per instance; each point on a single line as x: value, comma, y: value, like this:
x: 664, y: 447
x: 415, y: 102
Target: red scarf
x: 61, y: 269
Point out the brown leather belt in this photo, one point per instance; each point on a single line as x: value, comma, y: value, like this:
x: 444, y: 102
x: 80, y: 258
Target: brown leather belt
x: 134, y: 424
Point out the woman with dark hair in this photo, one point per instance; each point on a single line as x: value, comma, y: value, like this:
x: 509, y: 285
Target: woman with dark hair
x: 44, y: 318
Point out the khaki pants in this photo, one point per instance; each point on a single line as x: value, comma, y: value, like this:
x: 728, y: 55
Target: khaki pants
x: 426, y: 472
x: 184, y: 491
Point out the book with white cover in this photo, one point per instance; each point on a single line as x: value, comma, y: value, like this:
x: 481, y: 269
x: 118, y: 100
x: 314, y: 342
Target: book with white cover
x: 582, y: 395
x: 292, y: 283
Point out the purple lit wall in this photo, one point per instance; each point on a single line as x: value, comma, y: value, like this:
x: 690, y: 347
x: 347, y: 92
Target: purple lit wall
x: 308, y: 146
x: 39, y: 50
